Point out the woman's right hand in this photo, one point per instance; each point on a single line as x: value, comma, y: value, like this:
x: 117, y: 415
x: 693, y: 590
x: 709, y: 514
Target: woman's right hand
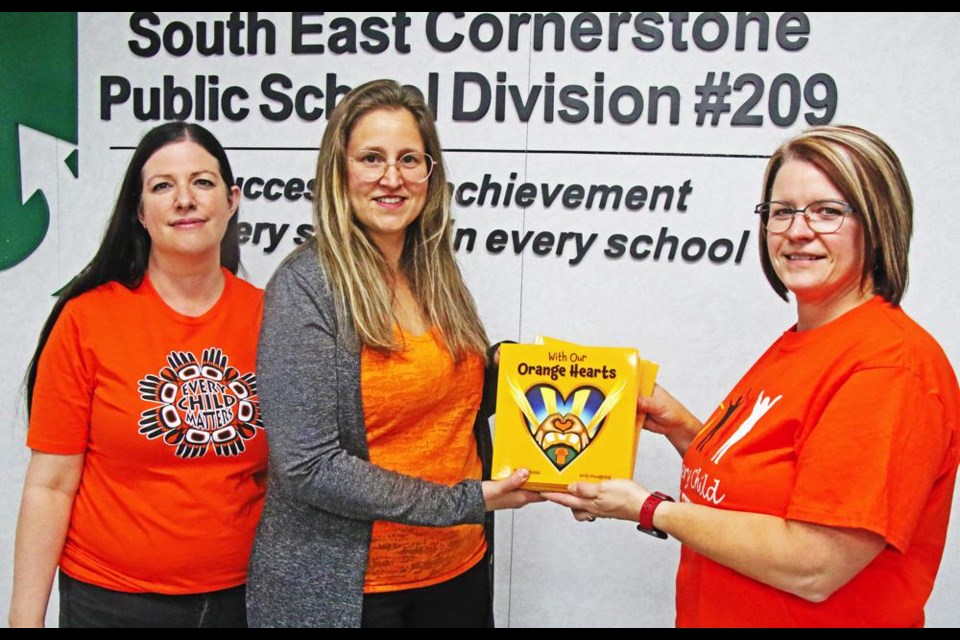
x: 507, y: 494
x: 667, y: 416
x: 618, y: 498
x: 48, y: 494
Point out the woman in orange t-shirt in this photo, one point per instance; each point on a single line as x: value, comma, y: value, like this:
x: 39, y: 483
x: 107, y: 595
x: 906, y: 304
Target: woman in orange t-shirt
x: 148, y: 464
x: 371, y: 371
x: 819, y: 491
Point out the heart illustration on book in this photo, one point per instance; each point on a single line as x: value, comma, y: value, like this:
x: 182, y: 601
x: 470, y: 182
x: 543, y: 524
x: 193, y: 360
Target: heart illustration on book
x: 564, y: 426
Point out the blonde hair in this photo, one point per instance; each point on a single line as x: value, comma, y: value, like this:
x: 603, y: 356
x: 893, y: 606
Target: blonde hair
x: 869, y: 175
x: 358, y: 272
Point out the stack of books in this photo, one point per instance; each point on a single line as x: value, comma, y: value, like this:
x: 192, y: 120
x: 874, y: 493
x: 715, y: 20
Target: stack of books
x: 568, y: 412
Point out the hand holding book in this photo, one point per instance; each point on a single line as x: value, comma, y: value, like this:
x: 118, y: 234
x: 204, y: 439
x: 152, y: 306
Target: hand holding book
x: 567, y: 412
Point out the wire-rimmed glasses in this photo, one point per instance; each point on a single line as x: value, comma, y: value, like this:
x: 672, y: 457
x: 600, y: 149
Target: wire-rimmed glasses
x: 371, y: 166
x: 823, y: 216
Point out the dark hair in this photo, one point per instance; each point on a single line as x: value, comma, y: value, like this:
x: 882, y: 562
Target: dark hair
x: 125, y: 248
x: 869, y: 175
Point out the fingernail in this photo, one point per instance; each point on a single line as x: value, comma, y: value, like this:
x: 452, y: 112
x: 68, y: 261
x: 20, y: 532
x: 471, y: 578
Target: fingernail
x: 524, y: 473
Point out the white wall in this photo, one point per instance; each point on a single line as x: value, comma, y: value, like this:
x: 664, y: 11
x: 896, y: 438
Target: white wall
x: 705, y: 323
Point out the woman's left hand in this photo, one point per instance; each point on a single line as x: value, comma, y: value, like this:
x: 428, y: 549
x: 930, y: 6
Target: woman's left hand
x: 620, y: 499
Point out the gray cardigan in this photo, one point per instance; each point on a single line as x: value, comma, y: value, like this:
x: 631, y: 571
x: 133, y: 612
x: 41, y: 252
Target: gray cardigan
x: 310, y: 551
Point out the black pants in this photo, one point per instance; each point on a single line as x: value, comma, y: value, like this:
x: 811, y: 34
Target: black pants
x: 461, y: 602
x: 83, y: 605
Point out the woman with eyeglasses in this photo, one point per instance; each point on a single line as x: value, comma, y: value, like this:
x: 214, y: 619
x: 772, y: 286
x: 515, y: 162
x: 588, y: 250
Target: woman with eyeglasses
x: 818, y: 493
x: 371, y: 376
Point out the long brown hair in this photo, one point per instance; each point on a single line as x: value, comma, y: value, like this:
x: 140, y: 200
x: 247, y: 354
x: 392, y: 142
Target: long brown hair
x: 125, y: 249
x: 358, y: 272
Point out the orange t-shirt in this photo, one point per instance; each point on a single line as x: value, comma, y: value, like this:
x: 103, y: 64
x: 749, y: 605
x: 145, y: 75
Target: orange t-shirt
x: 165, y: 408
x: 853, y: 424
x: 419, y: 409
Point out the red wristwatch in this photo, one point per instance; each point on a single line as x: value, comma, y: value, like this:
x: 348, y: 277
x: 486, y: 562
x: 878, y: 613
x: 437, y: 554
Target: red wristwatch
x: 646, y: 514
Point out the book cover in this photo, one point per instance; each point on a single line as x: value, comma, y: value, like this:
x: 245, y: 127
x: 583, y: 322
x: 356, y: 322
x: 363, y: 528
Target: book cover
x: 566, y: 412
x: 646, y: 379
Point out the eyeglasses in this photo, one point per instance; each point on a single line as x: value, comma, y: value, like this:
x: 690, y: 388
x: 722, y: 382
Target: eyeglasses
x: 823, y: 216
x: 371, y: 166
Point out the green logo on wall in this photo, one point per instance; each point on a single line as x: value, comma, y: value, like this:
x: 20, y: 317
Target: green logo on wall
x: 38, y: 89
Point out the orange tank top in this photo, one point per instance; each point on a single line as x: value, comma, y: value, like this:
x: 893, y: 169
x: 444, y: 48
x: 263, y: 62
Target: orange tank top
x: 419, y: 409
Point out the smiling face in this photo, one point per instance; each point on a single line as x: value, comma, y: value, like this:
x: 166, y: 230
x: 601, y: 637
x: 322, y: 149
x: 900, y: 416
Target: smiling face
x: 822, y: 270
x: 185, y: 205
x: 385, y: 207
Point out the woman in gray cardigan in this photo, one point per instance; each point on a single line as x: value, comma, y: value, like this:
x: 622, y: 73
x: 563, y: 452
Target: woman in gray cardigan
x: 371, y: 379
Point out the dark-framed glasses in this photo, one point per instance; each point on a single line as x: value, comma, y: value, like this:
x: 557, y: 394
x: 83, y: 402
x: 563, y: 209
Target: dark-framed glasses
x: 823, y: 216
x: 371, y: 166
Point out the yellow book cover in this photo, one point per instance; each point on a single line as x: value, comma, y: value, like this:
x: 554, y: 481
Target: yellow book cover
x: 566, y: 412
x: 647, y: 374
x: 646, y: 379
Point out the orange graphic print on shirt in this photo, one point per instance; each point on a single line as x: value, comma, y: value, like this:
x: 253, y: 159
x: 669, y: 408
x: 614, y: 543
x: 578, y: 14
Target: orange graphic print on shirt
x: 851, y: 425
x: 735, y: 422
x: 200, y: 405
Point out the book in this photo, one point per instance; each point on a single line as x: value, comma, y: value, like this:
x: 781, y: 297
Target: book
x: 646, y: 380
x: 567, y: 412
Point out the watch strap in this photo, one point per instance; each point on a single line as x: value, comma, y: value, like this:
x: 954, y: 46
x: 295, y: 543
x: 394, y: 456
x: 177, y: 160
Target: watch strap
x: 646, y: 514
